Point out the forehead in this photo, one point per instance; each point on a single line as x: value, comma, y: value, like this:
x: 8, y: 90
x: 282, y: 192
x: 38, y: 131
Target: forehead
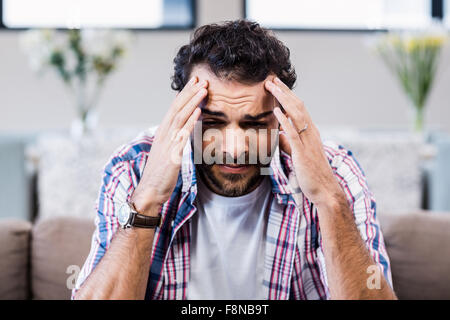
x: 232, y: 97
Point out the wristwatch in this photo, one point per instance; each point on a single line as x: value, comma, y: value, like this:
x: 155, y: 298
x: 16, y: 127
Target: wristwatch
x: 129, y: 217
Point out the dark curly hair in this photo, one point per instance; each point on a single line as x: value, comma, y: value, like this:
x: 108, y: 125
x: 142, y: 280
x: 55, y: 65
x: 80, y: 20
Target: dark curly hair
x: 239, y: 50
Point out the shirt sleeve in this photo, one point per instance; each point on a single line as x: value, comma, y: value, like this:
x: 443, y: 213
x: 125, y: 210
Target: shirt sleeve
x: 362, y: 203
x: 117, y: 184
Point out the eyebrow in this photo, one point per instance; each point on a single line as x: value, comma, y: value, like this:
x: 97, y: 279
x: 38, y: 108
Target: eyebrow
x: 246, y: 117
x: 214, y: 113
x: 258, y: 116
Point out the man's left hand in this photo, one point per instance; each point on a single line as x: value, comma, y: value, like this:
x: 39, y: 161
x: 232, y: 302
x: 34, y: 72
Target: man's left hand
x: 300, y: 138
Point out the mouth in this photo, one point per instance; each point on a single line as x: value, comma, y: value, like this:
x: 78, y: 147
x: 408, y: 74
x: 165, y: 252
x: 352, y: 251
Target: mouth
x: 234, y: 168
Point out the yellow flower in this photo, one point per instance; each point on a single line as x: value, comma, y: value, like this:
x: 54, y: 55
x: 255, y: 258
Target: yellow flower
x: 394, y: 40
x: 423, y: 43
x: 434, y: 41
x: 412, y: 44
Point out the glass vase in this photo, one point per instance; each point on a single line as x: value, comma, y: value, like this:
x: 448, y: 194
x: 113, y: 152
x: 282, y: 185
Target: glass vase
x: 84, y: 124
x: 86, y: 94
x: 419, y: 119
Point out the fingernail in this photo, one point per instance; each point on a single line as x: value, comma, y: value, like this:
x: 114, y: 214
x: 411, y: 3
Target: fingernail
x: 277, y: 80
x: 192, y: 80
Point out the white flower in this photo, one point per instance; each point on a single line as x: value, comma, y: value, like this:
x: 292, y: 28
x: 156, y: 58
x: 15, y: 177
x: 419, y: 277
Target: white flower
x: 32, y: 39
x: 96, y: 42
x: 101, y: 43
x: 39, y: 45
x: 35, y: 43
x: 97, y: 46
x: 122, y: 39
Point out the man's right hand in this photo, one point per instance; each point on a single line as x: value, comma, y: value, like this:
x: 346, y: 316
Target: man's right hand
x: 164, y: 160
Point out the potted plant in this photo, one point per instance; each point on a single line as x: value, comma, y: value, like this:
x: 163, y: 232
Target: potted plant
x: 83, y: 59
x: 413, y: 58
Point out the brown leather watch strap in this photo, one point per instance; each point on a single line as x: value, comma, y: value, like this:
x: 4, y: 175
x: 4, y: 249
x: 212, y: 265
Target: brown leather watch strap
x: 142, y: 221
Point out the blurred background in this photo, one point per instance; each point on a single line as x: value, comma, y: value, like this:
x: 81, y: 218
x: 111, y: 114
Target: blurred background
x: 80, y: 78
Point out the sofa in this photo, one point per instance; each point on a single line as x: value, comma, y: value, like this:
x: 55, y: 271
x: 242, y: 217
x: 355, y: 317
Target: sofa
x: 39, y: 261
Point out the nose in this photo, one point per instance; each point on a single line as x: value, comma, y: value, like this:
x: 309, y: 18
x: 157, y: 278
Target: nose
x: 236, y: 144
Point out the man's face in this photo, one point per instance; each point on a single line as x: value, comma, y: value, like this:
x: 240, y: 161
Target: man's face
x: 237, y: 122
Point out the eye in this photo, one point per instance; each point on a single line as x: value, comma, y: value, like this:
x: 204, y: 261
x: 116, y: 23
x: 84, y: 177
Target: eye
x: 257, y: 124
x: 211, y: 122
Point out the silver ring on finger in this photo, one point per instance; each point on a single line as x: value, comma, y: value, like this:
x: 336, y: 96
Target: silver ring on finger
x: 304, y: 128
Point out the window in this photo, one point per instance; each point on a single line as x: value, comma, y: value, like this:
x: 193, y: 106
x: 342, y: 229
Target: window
x: 129, y: 14
x: 446, y: 11
x: 344, y: 14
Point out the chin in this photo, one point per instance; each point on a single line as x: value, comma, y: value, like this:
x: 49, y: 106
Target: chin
x: 231, y: 184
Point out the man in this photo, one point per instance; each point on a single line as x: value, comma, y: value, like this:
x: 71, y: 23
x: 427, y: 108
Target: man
x: 224, y: 226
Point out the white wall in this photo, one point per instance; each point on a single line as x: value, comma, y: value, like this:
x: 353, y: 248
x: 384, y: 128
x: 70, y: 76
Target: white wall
x: 340, y: 80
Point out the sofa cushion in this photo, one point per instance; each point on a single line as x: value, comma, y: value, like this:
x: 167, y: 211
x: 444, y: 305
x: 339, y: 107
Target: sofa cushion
x: 59, y: 248
x: 418, y: 245
x: 14, y: 258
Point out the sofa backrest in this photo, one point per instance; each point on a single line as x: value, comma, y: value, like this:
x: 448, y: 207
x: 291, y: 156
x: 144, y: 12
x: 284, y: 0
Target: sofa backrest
x: 14, y: 258
x: 418, y: 245
x: 59, y: 248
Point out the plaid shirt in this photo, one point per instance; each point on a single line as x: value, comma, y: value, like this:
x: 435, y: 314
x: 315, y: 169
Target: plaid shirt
x: 294, y: 265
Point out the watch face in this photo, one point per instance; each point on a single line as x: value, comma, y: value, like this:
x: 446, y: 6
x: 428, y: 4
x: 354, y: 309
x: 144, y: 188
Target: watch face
x: 124, y: 214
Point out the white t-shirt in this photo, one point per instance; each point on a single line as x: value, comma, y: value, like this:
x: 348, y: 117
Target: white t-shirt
x: 228, y: 244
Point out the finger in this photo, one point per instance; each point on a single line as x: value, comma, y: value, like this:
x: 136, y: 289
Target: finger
x: 191, y: 83
x: 180, y: 95
x: 291, y: 132
x: 300, y: 122
x: 283, y: 87
x: 187, y: 93
x: 190, y: 123
x: 183, y: 114
x: 296, y: 102
x: 180, y: 137
x: 291, y: 94
x: 288, y: 102
x: 190, y: 89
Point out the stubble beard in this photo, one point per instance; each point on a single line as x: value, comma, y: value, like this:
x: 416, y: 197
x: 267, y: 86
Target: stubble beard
x: 230, y: 184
